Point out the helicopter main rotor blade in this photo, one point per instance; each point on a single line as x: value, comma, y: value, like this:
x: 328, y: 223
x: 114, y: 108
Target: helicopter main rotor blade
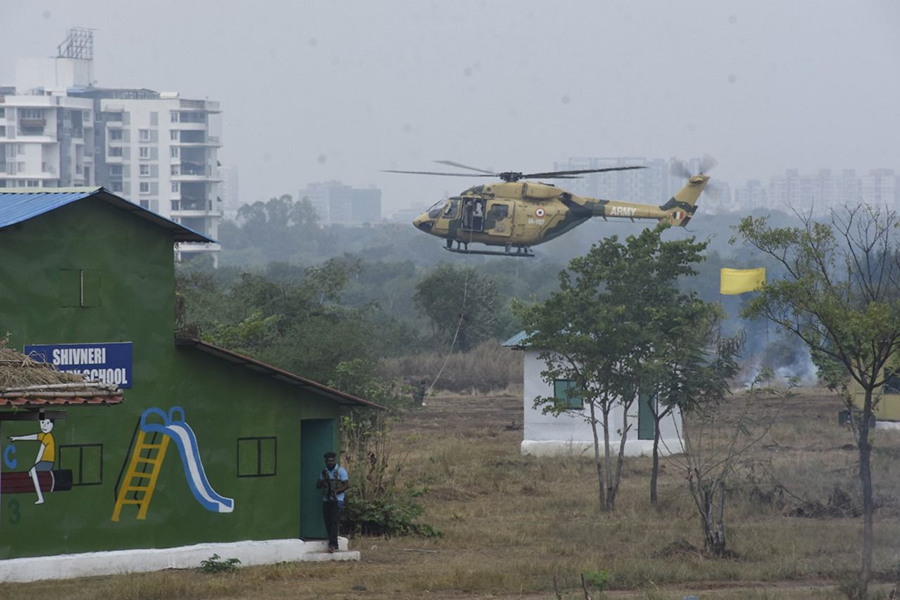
x: 562, y: 174
x: 436, y: 173
x: 462, y: 166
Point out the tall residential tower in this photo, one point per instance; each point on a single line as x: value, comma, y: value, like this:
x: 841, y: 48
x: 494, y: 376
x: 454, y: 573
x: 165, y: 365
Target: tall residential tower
x: 158, y: 150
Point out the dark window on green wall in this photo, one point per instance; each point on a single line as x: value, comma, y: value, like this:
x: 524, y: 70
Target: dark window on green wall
x: 257, y: 456
x: 567, y: 393
x: 85, y: 461
x: 79, y: 287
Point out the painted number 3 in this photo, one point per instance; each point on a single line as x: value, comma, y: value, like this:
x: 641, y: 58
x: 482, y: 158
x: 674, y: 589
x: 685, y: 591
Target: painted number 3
x: 14, y: 516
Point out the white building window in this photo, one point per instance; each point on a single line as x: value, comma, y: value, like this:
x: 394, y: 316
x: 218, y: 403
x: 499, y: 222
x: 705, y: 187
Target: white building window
x: 174, y: 152
x: 32, y: 183
x: 176, y: 170
x: 114, y: 151
x: 176, y: 187
x: 173, y: 135
x: 115, y: 134
x: 145, y: 187
x: 174, y: 117
x: 144, y: 135
x: 145, y: 152
x: 117, y: 186
x: 32, y: 113
x: 145, y: 170
x: 145, y: 204
x: 2, y: 113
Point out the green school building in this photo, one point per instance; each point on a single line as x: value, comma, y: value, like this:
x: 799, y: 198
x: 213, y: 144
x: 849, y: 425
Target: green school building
x: 203, y: 446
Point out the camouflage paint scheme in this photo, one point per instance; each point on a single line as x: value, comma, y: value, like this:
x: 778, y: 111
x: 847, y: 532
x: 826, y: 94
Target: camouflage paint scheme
x: 537, y: 213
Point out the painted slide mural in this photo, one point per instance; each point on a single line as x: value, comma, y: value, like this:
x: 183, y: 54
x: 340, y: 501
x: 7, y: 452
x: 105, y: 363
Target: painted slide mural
x: 147, y: 459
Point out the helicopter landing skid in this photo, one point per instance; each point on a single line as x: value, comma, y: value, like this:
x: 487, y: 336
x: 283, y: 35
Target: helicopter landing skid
x: 525, y: 254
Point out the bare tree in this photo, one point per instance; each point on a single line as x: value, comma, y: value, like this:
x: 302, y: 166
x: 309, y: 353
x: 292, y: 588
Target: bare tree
x: 716, y: 440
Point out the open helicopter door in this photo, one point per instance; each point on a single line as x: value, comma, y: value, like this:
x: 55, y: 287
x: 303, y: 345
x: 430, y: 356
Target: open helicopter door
x: 499, y: 218
x: 473, y: 215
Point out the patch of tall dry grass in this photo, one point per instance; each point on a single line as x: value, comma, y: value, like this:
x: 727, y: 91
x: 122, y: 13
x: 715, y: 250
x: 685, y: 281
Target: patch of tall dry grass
x: 487, y: 368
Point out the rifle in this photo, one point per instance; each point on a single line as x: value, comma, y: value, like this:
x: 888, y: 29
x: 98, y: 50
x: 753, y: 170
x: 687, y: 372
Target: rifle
x: 329, y: 485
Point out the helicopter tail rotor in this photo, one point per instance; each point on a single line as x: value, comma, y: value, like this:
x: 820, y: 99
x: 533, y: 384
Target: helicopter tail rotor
x: 682, y: 206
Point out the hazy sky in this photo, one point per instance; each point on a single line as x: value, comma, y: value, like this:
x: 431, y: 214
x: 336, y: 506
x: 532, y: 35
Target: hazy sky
x: 339, y: 89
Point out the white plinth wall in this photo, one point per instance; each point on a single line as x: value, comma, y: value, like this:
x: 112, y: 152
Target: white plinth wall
x: 67, y: 566
x: 570, y: 434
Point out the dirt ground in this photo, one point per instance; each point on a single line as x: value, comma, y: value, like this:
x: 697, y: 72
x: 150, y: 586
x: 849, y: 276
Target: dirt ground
x: 516, y: 527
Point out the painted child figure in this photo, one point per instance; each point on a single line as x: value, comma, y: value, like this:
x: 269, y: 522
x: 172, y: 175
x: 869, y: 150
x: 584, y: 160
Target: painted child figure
x: 46, y: 455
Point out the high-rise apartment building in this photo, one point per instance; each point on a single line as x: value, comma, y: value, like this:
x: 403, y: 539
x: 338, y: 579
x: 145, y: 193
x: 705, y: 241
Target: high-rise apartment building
x: 339, y: 204
x: 158, y: 150
x: 825, y: 190
x: 231, y: 194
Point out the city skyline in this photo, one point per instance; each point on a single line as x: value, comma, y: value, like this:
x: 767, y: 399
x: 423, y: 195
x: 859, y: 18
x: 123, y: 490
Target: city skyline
x: 323, y: 91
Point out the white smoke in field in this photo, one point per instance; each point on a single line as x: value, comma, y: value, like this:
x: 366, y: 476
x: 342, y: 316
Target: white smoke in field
x: 787, y: 358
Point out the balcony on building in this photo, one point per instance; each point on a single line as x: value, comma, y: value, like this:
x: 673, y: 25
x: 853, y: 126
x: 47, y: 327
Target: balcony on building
x: 194, y: 171
x: 208, y: 106
x: 113, y: 117
x: 197, y: 138
x: 194, y: 207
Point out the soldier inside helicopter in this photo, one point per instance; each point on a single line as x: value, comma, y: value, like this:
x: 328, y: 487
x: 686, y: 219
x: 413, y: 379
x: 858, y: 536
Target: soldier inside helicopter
x: 473, y: 215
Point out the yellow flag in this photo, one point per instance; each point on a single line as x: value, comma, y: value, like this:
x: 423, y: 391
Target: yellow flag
x: 738, y: 281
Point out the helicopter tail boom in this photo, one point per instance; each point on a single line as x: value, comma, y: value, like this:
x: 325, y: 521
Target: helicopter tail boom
x: 682, y: 206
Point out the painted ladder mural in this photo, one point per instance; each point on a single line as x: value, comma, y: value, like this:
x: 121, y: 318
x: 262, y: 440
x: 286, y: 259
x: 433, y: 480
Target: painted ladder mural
x: 147, y: 459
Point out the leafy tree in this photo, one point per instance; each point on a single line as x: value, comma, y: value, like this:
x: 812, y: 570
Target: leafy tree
x: 332, y: 277
x: 277, y: 228
x: 296, y: 325
x: 841, y: 295
x: 461, y: 304
x: 689, y: 366
x: 604, y: 325
x: 376, y: 504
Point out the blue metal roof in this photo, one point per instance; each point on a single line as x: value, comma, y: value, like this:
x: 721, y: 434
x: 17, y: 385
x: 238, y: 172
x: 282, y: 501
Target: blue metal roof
x: 19, y: 206
x: 517, y: 341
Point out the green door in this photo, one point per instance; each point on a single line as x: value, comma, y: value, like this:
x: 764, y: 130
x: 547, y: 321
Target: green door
x: 646, y: 424
x: 316, y: 438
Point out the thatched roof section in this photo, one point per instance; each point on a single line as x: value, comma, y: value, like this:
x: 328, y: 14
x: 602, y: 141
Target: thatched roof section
x: 26, y: 382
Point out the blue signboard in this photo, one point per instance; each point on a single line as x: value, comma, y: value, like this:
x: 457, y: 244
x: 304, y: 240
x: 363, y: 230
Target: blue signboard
x: 105, y: 363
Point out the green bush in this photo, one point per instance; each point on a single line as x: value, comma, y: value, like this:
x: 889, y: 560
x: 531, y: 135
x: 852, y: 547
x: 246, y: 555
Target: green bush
x: 388, y: 515
x: 597, y: 579
x: 217, y: 564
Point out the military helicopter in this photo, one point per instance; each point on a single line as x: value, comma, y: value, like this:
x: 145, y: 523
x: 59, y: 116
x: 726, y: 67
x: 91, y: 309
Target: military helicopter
x: 517, y: 215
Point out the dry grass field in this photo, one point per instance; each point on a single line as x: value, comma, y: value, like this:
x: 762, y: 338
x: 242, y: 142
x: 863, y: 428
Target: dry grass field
x: 512, y: 524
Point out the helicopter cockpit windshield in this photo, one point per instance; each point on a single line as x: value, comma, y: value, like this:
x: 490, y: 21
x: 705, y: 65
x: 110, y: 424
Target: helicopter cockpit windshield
x: 445, y: 208
x: 435, y: 211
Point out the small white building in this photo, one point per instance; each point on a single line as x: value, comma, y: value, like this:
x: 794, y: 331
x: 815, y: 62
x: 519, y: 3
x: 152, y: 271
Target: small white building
x: 570, y: 433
